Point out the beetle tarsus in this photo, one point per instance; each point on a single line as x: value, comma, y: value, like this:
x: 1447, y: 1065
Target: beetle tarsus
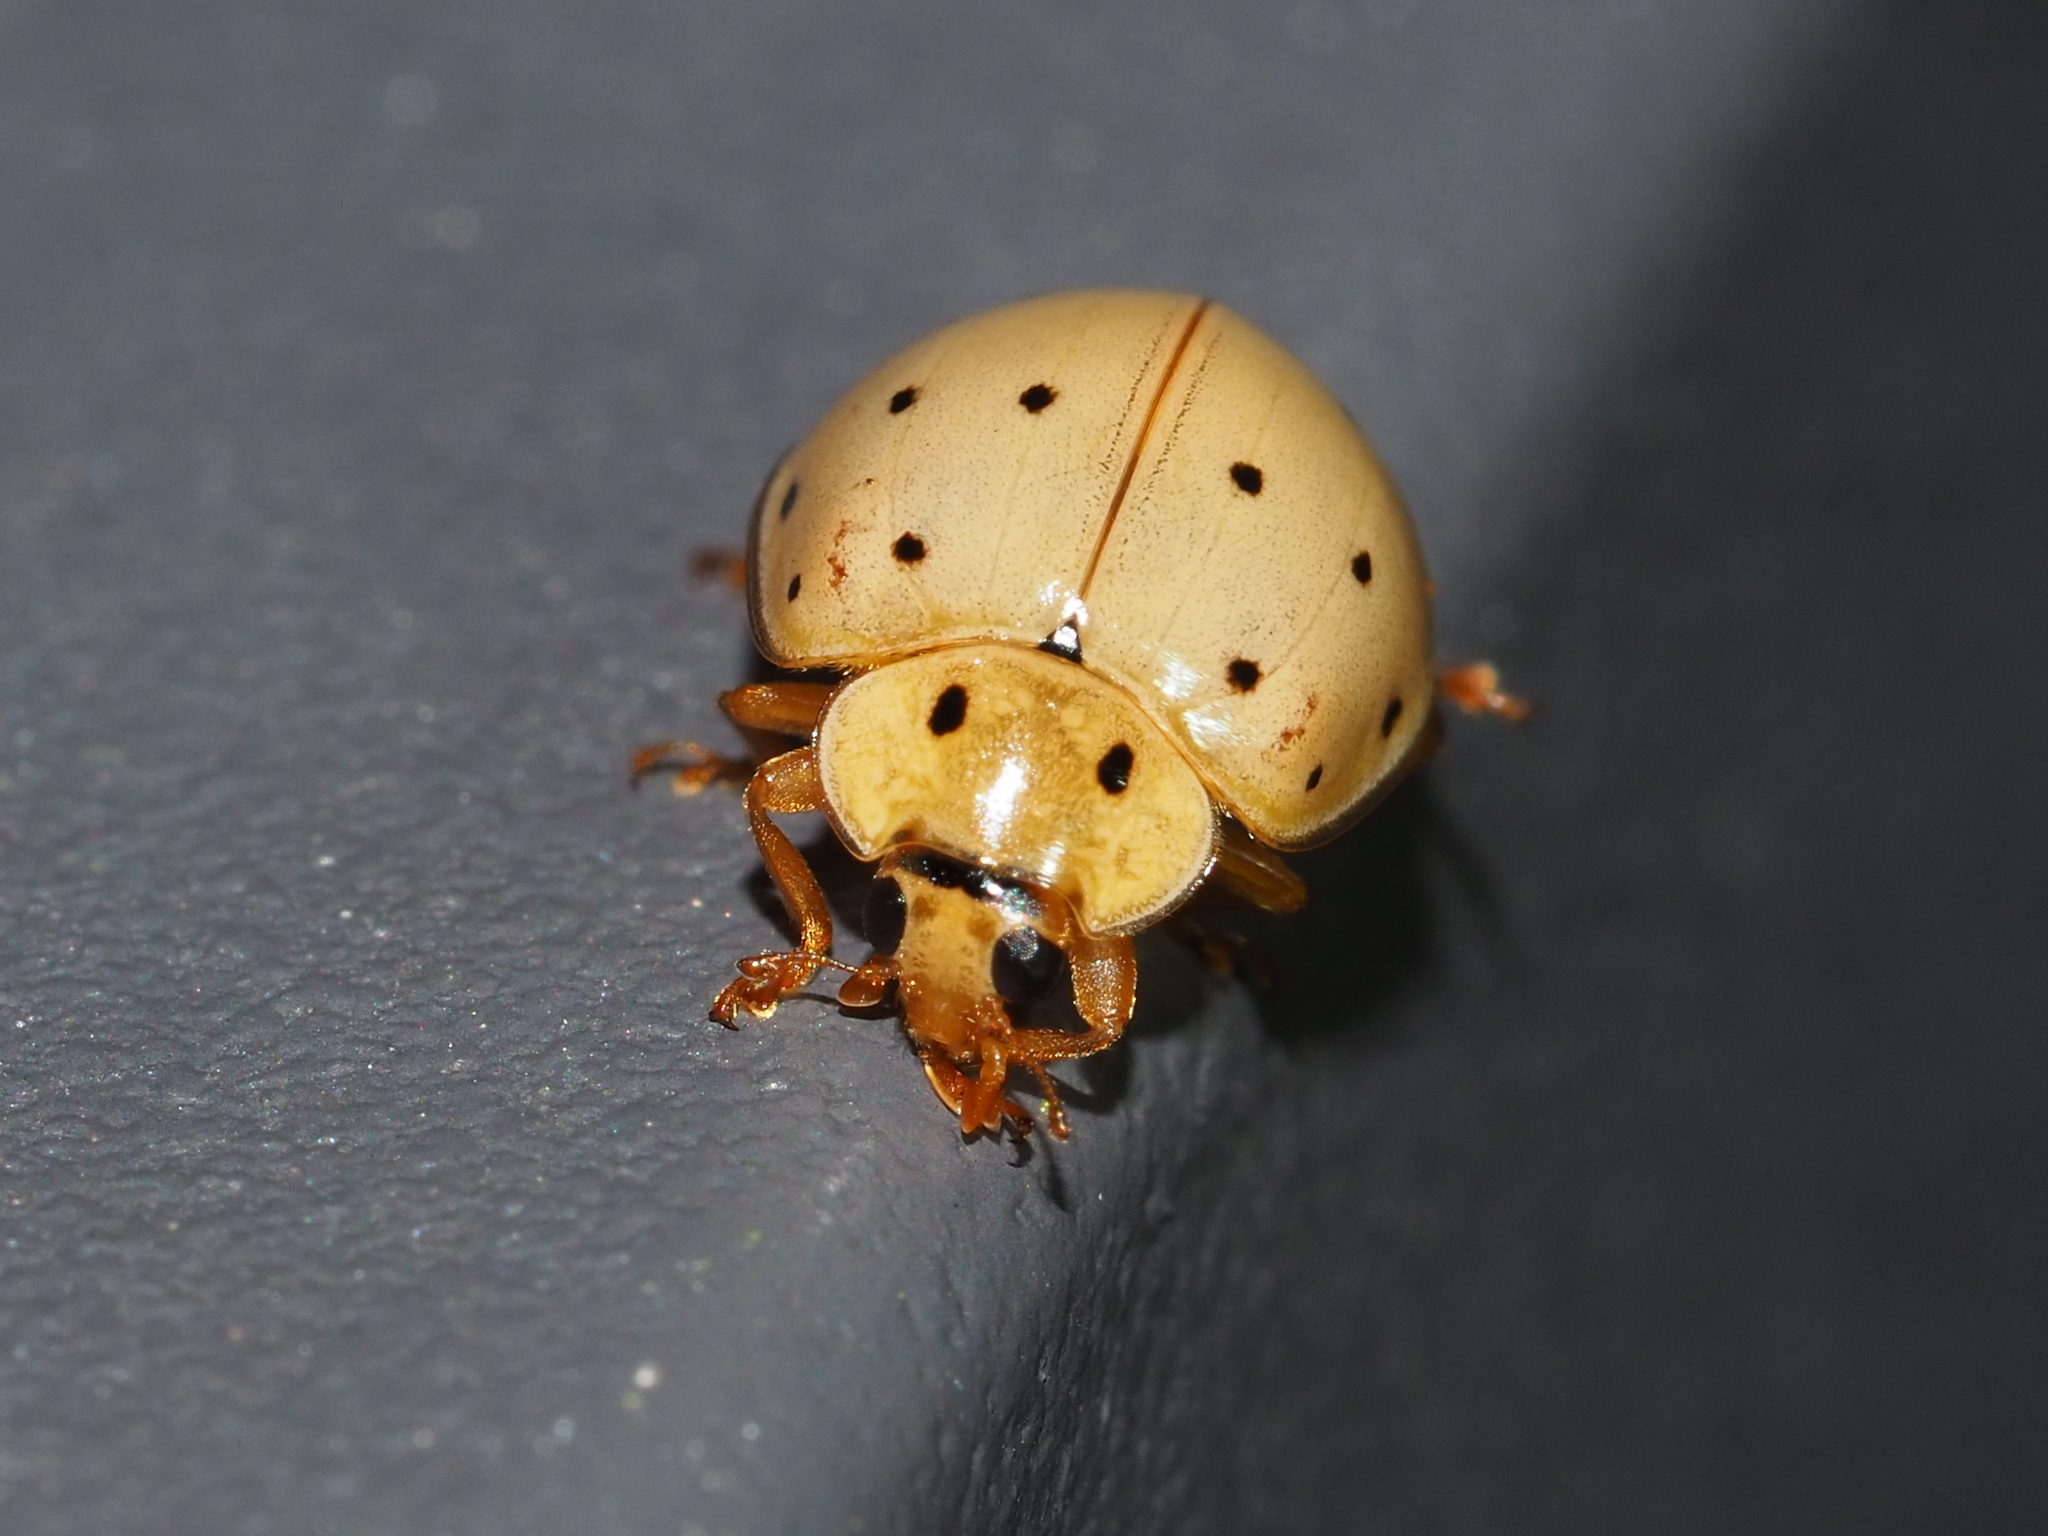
x: 766, y: 979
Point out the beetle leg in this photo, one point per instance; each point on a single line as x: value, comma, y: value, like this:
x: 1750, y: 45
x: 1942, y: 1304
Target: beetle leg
x: 781, y: 708
x: 783, y: 786
x: 1105, y: 992
x: 1254, y: 873
x: 727, y: 567
x: 980, y: 1107
x: 1223, y: 953
x: 767, y: 709
x: 1475, y: 688
x: 694, y: 767
x: 868, y: 987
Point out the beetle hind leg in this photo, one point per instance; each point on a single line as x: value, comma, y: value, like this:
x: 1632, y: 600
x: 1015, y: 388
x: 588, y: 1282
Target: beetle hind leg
x: 1475, y: 689
x: 761, y: 710
x: 720, y: 567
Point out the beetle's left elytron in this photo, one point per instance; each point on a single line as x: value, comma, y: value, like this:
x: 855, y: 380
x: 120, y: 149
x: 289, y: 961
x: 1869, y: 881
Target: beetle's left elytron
x: 1125, y: 603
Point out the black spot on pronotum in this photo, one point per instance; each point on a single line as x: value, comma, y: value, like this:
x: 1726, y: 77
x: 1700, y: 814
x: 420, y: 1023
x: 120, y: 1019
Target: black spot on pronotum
x: 951, y: 709
x: 1038, y: 397
x: 1248, y: 478
x: 788, y: 499
x: 1361, y: 567
x: 1315, y: 776
x: 1114, y: 771
x: 903, y: 400
x: 1244, y: 675
x: 882, y: 915
x: 1023, y: 964
x: 1393, y: 714
x: 796, y: 585
x: 909, y: 549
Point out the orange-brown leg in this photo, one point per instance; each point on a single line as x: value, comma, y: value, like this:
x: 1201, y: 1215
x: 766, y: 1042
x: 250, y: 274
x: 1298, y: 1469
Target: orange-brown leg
x: 1475, y: 688
x: 1105, y: 992
x: 980, y: 1106
x: 781, y: 708
x: 783, y: 785
x: 772, y: 709
x: 1254, y: 873
x: 692, y: 767
x: 728, y: 567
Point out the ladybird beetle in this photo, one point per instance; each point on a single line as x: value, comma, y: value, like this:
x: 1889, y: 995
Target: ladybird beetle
x: 1123, y: 605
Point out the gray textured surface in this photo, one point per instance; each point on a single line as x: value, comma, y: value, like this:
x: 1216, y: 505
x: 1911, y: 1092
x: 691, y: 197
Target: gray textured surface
x: 363, y: 1134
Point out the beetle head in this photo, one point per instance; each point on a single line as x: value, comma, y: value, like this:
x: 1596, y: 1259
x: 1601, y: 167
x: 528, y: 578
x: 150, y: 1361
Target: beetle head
x: 964, y: 945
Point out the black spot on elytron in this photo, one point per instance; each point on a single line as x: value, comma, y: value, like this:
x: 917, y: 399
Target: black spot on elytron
x: 1038, y: 397
x: 1244, y: 675
x: 1023, y: 964
x: 1315, y: 776
x: 882, y: 915
x: 903, y: 400
x: 1387, y: 720
x: 788, y: 499
x: 1361, y: 567
x: 949, y: 711
x: 1248, y: 478
x: 1114, y: 771
x: 910, y: 549
x: 796, y: 585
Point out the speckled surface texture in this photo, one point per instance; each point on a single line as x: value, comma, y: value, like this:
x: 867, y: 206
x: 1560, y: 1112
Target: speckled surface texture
x: 1645, y: 1134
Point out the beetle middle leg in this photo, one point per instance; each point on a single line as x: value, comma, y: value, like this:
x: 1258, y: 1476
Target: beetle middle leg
x: 783, y: 786
x: 1255, y: 875
x: 781, y: 708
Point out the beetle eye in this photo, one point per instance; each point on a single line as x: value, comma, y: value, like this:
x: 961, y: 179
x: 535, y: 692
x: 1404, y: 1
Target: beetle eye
x: 1023, y: 964
x: 881, y: 915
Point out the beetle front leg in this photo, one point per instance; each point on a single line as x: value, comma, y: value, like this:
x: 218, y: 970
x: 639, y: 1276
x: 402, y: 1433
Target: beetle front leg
x: 978, y: 1101
x: 1105, y: 992
x: 783, y: 785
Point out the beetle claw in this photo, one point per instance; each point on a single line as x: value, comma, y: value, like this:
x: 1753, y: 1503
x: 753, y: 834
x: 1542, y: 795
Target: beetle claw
x: 764, y: 981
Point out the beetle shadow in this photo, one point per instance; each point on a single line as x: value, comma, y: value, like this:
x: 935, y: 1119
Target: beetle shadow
x: 1374, y: 927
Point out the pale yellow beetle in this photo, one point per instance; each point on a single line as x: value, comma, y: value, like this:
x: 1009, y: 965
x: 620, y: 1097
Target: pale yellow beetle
x: 1123, y: 602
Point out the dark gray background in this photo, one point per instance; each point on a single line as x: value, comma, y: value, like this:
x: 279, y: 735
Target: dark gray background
x: 1646, y: 1133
